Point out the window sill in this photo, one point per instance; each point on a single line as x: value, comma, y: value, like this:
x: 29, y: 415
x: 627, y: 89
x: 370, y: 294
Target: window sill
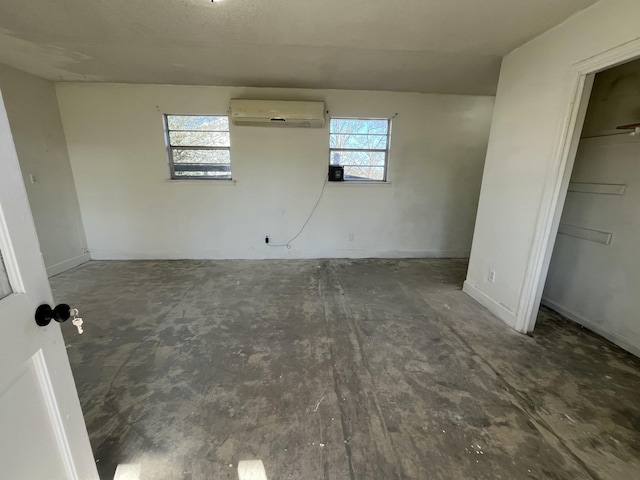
x: 204, y: 181
x: 360, y: 183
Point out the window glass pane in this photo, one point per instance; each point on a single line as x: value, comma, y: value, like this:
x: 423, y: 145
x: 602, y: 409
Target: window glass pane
x: 5, y: 286
x: 355, y: 125
x: 203, y: 171
x: 378, y: 142
x: 198, y: 132
x: 199, y: 139
x: 200, y: 156
x: 360, y: 146
x: 198, y: 122
x: 364, y: 173
x: 357, y: 158
x: 199, y: 167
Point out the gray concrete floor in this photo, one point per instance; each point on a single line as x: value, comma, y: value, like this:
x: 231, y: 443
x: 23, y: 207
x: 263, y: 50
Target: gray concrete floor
x: 338, y: 369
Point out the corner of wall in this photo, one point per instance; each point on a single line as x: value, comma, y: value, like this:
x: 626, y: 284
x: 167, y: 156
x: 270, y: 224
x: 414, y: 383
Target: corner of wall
x: 499, y: 310
x: 58, y: 268
x: 37, y: 130
x: 589, y: 325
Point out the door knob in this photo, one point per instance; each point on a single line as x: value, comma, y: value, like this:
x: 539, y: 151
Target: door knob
x: 61, y: 313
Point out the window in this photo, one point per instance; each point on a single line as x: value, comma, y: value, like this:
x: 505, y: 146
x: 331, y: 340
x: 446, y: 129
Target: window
x: 361, y: 146
x: 199, y: 146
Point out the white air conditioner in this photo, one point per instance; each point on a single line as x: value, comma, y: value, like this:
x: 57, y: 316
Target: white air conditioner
x: 270, y: 113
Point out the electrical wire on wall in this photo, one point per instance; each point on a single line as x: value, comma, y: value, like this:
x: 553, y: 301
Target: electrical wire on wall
x: 288, y: 244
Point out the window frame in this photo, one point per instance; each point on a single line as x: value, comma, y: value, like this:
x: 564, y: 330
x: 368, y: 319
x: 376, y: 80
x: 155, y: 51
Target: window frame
x: 385, y: 178
x: 172, y: 172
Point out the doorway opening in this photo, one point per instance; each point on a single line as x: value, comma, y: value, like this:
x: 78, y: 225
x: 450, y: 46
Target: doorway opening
x: 594, y: 272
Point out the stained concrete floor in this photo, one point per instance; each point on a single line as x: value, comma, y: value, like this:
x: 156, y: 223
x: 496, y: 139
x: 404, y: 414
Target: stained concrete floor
x: 338, y: 369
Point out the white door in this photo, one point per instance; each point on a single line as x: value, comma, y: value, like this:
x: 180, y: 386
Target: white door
x: 42, y: 431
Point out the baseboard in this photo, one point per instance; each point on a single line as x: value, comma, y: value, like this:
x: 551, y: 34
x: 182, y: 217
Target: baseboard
x: 275, y: 253
x: 67, y: 264
x: 575, y: 317
x: 499, y: 310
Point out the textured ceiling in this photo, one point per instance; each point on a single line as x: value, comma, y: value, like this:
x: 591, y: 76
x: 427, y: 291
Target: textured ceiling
x: 448, y: 46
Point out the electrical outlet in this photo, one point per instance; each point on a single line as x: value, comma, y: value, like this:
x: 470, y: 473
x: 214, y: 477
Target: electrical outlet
x: 266, y: 239
x: 492, y: 276
x: 351, y: 236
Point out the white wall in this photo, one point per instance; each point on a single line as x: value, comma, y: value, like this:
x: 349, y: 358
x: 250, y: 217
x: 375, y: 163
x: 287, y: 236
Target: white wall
x: 130, y: 209
x: 33, y: 114
x: 536, y: 87
x: 592, y: 283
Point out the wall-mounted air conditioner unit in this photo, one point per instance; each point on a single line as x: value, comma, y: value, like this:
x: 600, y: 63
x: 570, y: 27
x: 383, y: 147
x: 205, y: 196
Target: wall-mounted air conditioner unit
x: 270, y: 113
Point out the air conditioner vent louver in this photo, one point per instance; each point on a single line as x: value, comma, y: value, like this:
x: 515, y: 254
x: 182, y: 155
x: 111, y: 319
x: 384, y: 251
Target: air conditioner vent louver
x: 280, y: 113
